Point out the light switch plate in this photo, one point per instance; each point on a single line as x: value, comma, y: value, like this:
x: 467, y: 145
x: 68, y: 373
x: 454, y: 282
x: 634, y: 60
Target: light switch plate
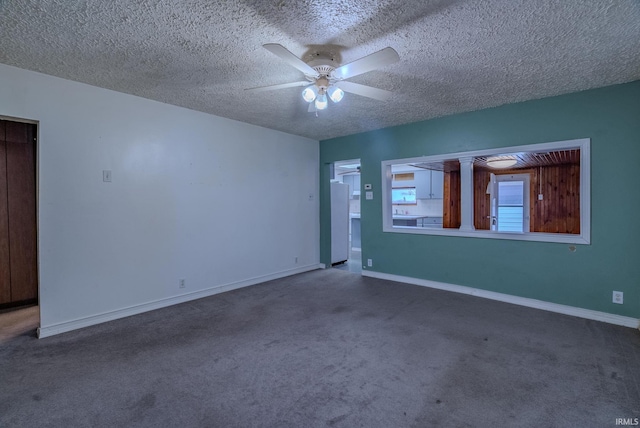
x: 367, y: 187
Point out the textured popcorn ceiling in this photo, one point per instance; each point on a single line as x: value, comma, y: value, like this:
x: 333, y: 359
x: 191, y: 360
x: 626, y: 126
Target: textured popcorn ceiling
x: 455, y: 56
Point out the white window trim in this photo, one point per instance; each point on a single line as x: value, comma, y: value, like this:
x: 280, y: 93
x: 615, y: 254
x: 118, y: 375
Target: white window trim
x: 584, y: 144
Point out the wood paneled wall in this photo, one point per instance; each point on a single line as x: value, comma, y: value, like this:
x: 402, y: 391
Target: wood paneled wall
x: 5, y: 263
x: 481, y: 201
x: 451, y: 216
x: 18, y: 241
x: 558, y: 212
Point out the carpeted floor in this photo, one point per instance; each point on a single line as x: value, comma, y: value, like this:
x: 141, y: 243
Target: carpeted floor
x: 327, y: 348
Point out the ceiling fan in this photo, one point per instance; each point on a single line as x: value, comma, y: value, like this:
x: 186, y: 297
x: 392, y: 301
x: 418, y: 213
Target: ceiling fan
x: 325, y: 79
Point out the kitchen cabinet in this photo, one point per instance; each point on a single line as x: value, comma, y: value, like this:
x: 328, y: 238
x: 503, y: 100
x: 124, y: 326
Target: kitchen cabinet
x: 407, y: 220
x: 416, y: 221
x: 433, y: 222
x: 346, y: 179
x: 429, y: 184
x: 410, y: 222
x: 423, y: 184
x: 353, y: 180
x: 437, y: 184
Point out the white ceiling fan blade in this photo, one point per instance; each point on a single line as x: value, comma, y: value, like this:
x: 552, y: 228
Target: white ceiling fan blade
x: 370, y: 62
x: 365, y: 91
x: 290, y: 58
x: 281, y: 86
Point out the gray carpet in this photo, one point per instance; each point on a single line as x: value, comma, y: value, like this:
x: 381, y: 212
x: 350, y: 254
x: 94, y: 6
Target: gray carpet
x: 327, y: 348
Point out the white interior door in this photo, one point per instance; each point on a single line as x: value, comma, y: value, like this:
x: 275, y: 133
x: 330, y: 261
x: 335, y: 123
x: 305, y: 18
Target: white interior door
x: 510, y: 202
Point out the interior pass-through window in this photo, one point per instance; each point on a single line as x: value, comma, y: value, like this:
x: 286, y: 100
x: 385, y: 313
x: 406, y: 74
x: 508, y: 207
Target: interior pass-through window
x: 536, y: 192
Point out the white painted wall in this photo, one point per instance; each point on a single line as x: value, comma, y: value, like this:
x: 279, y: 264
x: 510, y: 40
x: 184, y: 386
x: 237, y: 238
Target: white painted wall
x: 217, y: 202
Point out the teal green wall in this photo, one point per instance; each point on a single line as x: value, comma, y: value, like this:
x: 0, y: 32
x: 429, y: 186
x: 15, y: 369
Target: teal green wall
x: 609, y: 116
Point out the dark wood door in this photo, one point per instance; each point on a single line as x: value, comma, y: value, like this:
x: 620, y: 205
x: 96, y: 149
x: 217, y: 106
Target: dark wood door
x: 5, y: 262
x: 18, y: 239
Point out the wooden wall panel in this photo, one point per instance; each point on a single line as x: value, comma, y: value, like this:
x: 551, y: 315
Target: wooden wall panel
x: 451, y: 216
x: 558, y: 212
x: 5, y: 272
x: 21, y: 195
x: 481, y: 201
x: 574, y: 193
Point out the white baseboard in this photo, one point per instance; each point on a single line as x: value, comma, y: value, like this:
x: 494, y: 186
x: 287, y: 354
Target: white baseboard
x: 64, y: 327
x: 522, y: 301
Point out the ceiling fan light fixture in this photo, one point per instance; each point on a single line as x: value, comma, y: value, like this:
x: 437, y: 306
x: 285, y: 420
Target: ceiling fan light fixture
x: 336, y: 94
x: 501, y: 162
x: 309, y: 93
x: 323, y: 72
x: 321, y: 102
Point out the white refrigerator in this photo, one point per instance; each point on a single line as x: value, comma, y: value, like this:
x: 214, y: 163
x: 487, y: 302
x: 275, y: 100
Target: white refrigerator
x: 339, y: 222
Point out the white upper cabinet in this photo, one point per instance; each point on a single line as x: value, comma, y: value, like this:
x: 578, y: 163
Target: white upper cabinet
x: 437, y: 184
x: 353, y: 180
x: 429, y: 184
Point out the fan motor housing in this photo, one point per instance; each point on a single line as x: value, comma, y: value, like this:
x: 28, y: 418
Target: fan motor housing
x: 323, y: 64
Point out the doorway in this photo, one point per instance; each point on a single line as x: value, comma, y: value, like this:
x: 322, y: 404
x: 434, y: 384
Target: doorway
x: 510, y: 203
x: 18, y: 226
x: 347, y: 174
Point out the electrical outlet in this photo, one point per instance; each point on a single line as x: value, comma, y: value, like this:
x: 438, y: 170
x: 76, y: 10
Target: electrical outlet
x: 181, y: 283
x: 618, y: 297
x: 369, y: 262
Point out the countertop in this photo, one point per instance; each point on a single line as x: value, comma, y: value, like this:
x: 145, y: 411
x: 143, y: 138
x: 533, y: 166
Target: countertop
x: 401, y: 216
x: 413, y: 217
x: 408, y: 216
